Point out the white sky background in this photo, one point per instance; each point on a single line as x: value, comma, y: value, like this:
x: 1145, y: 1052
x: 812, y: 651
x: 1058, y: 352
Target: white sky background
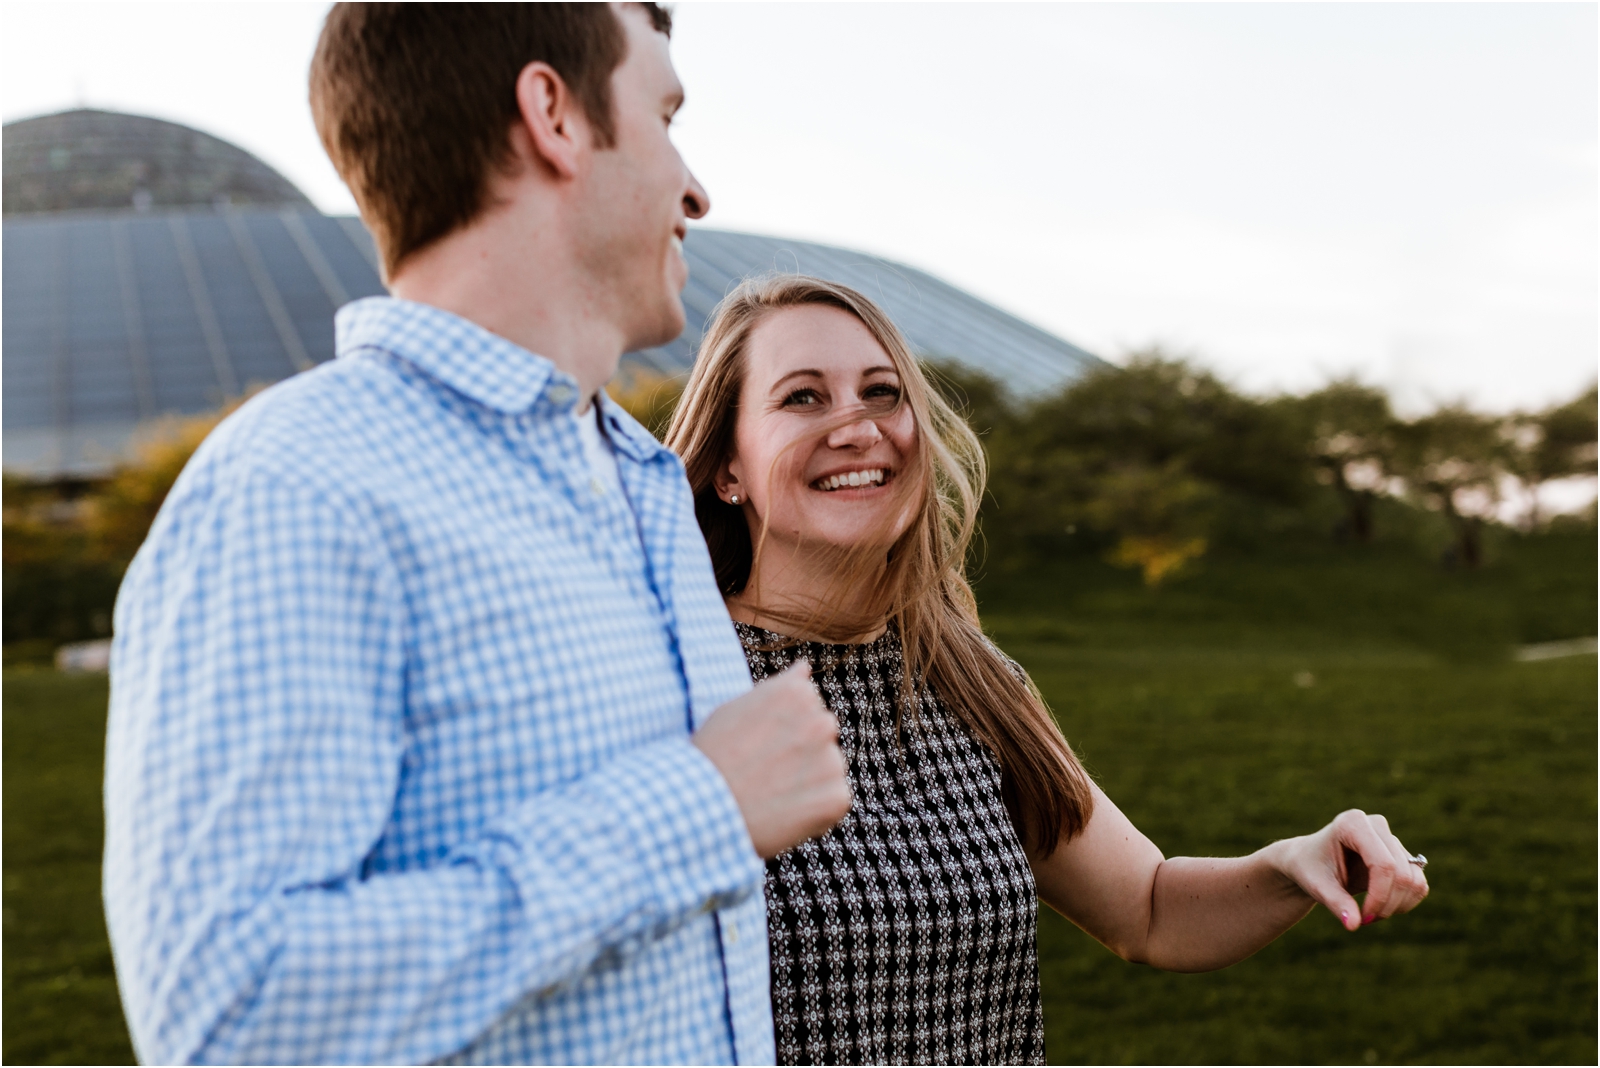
x: 1285, y: 192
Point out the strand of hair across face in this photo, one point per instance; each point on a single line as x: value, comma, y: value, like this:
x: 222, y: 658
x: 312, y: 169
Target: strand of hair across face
x: 917, y: 585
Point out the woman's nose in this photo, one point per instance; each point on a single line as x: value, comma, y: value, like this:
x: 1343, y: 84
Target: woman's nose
x: 861, y: 434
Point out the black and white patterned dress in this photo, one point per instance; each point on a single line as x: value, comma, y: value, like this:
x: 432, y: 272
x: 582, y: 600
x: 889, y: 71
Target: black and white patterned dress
x: 906, y: 933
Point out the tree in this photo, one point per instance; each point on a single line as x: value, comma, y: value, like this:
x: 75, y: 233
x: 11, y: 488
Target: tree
x: 57, y: 589
x: 1556, y: 443
x: 1160, y: 514
x: 1156, y: 455
x: 981, y: 399
x: 66, y: 547
x: 649, y: 397
x: 120, y: 511
x: 1351, y: 434
x: 1454, y: 461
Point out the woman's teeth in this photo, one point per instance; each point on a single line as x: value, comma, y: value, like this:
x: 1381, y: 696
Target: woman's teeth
x: 873, y: 477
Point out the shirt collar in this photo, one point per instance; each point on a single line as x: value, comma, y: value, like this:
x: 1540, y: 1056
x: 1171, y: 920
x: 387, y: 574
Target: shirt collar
x: 480, y: 365
x: 474, y: 362
x: 625, y: 432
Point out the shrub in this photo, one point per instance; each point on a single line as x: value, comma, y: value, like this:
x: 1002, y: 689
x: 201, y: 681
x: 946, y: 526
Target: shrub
x: 67, y: 545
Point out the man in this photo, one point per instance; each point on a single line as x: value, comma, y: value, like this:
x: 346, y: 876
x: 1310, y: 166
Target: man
x: 430, y: 737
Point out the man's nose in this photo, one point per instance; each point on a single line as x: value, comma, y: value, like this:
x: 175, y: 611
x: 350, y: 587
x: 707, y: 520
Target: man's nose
x: 696, y: 201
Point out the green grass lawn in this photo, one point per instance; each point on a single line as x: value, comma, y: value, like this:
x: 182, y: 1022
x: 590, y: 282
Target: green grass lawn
x: 1488, y: 769
x: 60, y: 997
x: 1190, y: 705
x: 1259, y: 697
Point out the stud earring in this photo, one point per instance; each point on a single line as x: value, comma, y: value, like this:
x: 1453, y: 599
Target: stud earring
x: 733, y: 499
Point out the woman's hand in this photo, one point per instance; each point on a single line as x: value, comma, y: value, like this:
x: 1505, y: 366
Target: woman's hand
x: 1194, y: 914
x: 1355, y: 852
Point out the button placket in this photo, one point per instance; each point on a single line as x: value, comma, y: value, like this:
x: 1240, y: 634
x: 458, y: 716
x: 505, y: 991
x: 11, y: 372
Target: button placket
x: 612, y: 528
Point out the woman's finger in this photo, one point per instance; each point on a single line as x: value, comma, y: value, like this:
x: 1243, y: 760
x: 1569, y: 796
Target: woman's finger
x: 1412, y: 876
x: 1416, y: 881
x: 1403, y: 890
x: 1323, y: 885
x: 1355, y: 831
x: 1411, y: 886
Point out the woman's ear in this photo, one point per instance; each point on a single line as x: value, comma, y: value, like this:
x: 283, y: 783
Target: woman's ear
x: 726, y: 481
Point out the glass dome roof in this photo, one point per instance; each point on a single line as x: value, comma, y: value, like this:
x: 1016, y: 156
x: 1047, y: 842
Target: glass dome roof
x: 104, y: 160
x: 153, y: 270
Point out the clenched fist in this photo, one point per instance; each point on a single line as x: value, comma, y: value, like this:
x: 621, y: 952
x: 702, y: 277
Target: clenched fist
x: 1355, y: 852
x: 778, y: 748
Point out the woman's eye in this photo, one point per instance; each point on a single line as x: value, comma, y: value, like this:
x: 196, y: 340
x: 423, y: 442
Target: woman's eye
x: 885, y: 394
x: 801, y: 398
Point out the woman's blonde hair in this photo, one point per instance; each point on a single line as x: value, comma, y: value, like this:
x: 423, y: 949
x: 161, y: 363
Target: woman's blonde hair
x: 921, y: 587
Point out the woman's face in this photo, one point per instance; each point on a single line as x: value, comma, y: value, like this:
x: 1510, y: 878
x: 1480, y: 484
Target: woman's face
x: 806, y: 369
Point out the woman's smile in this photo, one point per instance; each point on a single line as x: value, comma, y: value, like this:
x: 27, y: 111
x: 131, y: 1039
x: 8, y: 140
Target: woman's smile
x: 864, y: 479
x: 825, y: 439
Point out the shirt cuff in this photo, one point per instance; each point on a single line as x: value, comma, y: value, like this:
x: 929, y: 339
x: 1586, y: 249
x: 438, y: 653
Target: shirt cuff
x: 675, y: 826
x: 689, y: 831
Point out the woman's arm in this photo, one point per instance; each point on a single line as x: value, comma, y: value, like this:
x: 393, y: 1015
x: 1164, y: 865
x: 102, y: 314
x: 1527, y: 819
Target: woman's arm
x: 1193, y: 914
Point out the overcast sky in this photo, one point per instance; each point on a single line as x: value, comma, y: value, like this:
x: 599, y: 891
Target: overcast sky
x: 1284, y: 192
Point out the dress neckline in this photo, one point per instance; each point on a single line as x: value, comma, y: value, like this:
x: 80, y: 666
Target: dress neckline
x: 767, y: 636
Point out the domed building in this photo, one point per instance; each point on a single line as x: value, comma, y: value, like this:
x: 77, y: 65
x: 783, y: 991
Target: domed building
x: 101, y: 160
x: 149, y: 270
x: 154, y: 270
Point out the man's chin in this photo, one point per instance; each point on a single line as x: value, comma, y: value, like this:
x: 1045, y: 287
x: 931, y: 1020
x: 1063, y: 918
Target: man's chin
x: 667, y: 325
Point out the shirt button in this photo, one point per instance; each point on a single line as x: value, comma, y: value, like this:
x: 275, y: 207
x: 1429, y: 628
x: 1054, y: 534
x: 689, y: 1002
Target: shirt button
x: 732, y: 930
x: 560, y: 393
x: 599, y: 490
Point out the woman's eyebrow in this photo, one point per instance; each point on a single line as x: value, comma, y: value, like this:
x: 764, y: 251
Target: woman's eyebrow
x: 811, y: 371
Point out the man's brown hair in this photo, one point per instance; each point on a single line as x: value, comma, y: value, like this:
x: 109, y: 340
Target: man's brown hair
x: 414, y: 102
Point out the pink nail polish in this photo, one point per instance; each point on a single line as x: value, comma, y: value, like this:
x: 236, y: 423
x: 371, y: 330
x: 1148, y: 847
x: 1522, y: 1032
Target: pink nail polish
x: 1344, y: 918
x: 1368, y: 919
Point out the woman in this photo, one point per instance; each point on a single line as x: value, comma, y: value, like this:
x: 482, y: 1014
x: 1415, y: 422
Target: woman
x: 837, y: 494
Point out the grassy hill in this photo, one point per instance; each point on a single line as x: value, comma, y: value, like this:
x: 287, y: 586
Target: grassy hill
x: 1263, y: 694
x: 1249, y: 700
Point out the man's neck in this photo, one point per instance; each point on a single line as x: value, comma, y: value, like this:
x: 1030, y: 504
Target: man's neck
x: 515, y: 276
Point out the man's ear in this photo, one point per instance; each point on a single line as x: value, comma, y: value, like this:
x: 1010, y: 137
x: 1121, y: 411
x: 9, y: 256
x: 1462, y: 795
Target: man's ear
x: 552, y: 118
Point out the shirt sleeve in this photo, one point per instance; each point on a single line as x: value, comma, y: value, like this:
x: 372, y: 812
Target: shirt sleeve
x: 254, y: 750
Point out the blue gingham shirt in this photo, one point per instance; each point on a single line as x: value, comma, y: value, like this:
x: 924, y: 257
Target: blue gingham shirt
x: 398, y: 766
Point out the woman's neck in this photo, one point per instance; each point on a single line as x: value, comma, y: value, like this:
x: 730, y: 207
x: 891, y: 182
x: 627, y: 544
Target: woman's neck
x: 799, y: 598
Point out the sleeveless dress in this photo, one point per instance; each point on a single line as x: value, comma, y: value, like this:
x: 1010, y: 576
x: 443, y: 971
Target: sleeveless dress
x: 905, y: 935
